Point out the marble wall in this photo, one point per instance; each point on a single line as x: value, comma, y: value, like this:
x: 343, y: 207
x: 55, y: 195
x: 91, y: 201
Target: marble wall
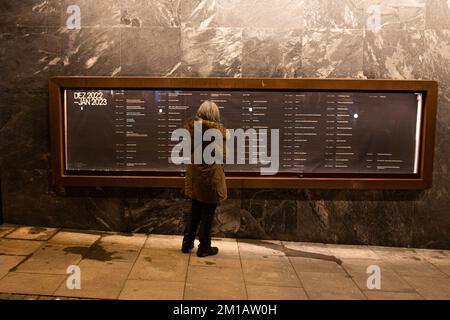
x: 226, y: 38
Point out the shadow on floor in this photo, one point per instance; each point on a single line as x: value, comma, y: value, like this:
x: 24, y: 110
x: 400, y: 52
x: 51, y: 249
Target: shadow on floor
x: 292, y: 252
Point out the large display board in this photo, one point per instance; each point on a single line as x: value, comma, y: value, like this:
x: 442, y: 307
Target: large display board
x: 332, y: 133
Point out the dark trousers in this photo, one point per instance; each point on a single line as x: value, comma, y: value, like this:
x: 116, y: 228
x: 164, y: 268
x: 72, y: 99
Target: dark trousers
x: 202, y: 214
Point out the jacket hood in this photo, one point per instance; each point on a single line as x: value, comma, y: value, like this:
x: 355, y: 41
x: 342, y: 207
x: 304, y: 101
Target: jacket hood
x: 207, y: 123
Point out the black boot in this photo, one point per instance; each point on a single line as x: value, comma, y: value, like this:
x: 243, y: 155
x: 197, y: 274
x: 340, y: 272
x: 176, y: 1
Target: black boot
x: 205, y: 252
x: 192, y: 220
x: 204, y: 234
x: 187, y: 246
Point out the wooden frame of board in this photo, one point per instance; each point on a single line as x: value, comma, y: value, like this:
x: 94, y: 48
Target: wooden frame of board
x: 66, y: 179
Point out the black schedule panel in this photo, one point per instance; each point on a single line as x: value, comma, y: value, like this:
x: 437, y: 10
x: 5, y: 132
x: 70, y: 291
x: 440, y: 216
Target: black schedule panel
x: 319, y: 132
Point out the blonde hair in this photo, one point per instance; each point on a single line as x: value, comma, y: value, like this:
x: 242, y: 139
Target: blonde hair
x: 209, y: 111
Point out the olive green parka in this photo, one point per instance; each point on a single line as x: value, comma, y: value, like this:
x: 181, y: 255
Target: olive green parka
x: 203, y: 182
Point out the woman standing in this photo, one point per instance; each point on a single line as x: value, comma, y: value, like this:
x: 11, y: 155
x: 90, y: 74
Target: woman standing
x: 205, y: 185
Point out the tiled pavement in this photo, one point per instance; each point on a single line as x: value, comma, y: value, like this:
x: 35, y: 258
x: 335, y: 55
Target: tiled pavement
x: 33, y: 264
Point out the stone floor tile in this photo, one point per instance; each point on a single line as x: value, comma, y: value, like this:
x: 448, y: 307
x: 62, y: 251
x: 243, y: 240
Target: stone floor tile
x: 74, y: 238
x: 213, y: 291
x: 390, y: 281
x: 32, y: 233
x: 102, y: 280
x: 382, y: 295
x: 102, y: 251
x: 260, y: 248
x: 439, y: 258
x: 216, y: 261
x: 160, y: 265
x: 8, y: 262
x: 406, y: 261
x: 228, y: 255
x: 443, y: 268
x: 164, y: 242
x: 30, y: 283
x: 52, y: 259
x: 315, y: 265
x: 226, y: 246
x: 406, y: 267
x: 275, y: 293
x: 330, y: 286
x: 47, y: 298
x: 152, y: 290
x: 360, y: 265
x: 309, y: 251
x: 387, y: 253
x: 307, y: 247
x: 137, y: 266
x: 5, y: 230
x: 271, y: 272
x: 135, y: 240
x: 19, y: 247
x: 352, y: 252
x: 5, y: 296
x: 430, y: 288
x: 217, y: 274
